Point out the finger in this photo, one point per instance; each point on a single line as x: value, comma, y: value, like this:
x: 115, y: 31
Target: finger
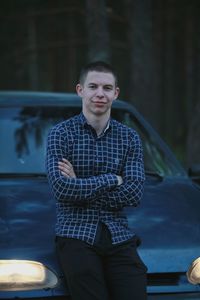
x: 64, y: 162
x: 65, y: 170
x: 63, y: 166
x: 67, y: 162
x: 64, y: 174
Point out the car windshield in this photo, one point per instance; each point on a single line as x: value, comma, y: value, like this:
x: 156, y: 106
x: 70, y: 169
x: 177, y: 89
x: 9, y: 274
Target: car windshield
x: 23, y: 134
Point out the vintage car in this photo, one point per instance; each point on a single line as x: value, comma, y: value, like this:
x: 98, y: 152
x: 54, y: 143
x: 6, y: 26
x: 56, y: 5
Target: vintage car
x: 167, y: 221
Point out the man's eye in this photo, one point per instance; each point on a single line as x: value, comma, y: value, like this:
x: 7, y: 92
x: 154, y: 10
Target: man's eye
x: 92, y: 87
x: 108, y: 88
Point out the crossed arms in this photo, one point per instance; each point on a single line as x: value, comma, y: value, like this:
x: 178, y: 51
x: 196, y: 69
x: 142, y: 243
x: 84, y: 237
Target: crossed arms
x: 114, y: 190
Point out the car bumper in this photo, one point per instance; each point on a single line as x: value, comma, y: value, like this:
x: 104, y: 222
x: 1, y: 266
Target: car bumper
x: 175, y: 296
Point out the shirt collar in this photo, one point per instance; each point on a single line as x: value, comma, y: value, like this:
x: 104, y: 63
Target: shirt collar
x: 83, y: 121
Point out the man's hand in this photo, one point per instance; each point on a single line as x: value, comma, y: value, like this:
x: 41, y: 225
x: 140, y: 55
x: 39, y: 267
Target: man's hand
x: 66, y: 168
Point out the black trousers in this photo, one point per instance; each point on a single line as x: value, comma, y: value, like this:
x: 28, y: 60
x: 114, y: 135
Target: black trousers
x: 102, y: 271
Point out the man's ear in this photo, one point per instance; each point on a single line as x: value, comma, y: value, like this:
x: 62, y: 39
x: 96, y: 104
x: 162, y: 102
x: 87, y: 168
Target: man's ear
x: 79, y: 89
x: 117, y: 91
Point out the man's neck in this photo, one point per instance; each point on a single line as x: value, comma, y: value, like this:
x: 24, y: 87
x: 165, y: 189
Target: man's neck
x: 99, y: 123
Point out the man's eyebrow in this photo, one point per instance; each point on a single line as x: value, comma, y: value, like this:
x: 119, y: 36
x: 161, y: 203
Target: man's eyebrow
x: 109, y: 85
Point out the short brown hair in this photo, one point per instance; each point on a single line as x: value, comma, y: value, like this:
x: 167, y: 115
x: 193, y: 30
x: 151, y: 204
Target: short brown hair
x: 98, y: 66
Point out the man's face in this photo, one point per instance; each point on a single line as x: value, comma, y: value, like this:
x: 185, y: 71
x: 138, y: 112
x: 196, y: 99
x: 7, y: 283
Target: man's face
x: 97, y: 93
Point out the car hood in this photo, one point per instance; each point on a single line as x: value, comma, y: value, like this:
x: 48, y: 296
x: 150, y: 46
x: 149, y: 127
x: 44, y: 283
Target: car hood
x: 167, y: 221
x: 27, y: 217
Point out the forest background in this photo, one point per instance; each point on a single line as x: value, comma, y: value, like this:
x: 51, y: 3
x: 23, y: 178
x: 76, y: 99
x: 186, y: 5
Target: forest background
x: 153, y: 44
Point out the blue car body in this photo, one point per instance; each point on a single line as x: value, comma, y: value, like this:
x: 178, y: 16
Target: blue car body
x: 167, y: 221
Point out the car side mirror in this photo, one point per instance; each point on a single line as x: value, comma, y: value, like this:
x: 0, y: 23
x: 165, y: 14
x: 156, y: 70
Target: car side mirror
x: 194, y: 173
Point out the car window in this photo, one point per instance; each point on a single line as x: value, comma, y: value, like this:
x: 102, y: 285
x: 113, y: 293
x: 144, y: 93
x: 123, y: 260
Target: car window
x: 157, y: 160
x: 23, y: 133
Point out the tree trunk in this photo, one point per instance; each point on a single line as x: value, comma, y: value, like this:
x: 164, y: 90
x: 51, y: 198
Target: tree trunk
x: 98, y: 33
x: 193, y: 87
x: 33, y: 57
x: 144, y: 76
x: 193, y: 140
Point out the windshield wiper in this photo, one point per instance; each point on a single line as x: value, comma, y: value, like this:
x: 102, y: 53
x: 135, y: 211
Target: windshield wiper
x: 154, y: 174
x: 20, y: 175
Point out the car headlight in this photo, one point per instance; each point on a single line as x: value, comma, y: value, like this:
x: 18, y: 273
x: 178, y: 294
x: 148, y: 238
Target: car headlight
x: 24, y: 275
x: 193, y: 273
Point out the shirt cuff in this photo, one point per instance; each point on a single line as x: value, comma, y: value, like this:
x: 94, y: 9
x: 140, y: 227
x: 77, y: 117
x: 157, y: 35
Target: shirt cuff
x: 110, y: 180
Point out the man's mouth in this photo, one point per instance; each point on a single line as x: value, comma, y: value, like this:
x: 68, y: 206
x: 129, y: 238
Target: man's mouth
x: 99, y: 104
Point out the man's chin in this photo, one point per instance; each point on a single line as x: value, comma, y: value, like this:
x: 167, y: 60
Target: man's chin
x: 100, y: 112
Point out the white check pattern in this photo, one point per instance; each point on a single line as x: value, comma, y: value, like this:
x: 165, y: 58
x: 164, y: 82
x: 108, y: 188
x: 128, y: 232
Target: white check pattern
x: 94, y: 196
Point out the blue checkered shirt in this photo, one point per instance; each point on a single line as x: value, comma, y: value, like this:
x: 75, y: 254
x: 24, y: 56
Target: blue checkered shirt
x: 94, y: 196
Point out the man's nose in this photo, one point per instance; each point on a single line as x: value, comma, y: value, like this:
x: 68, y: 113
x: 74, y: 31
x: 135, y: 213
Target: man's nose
x: 100, y: 92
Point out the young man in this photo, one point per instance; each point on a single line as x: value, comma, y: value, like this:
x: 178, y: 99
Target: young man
x: 95, y: 168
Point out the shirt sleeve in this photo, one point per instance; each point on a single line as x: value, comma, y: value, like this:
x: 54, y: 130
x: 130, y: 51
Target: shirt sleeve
x: 130, y: 192
x: 74, y: 190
